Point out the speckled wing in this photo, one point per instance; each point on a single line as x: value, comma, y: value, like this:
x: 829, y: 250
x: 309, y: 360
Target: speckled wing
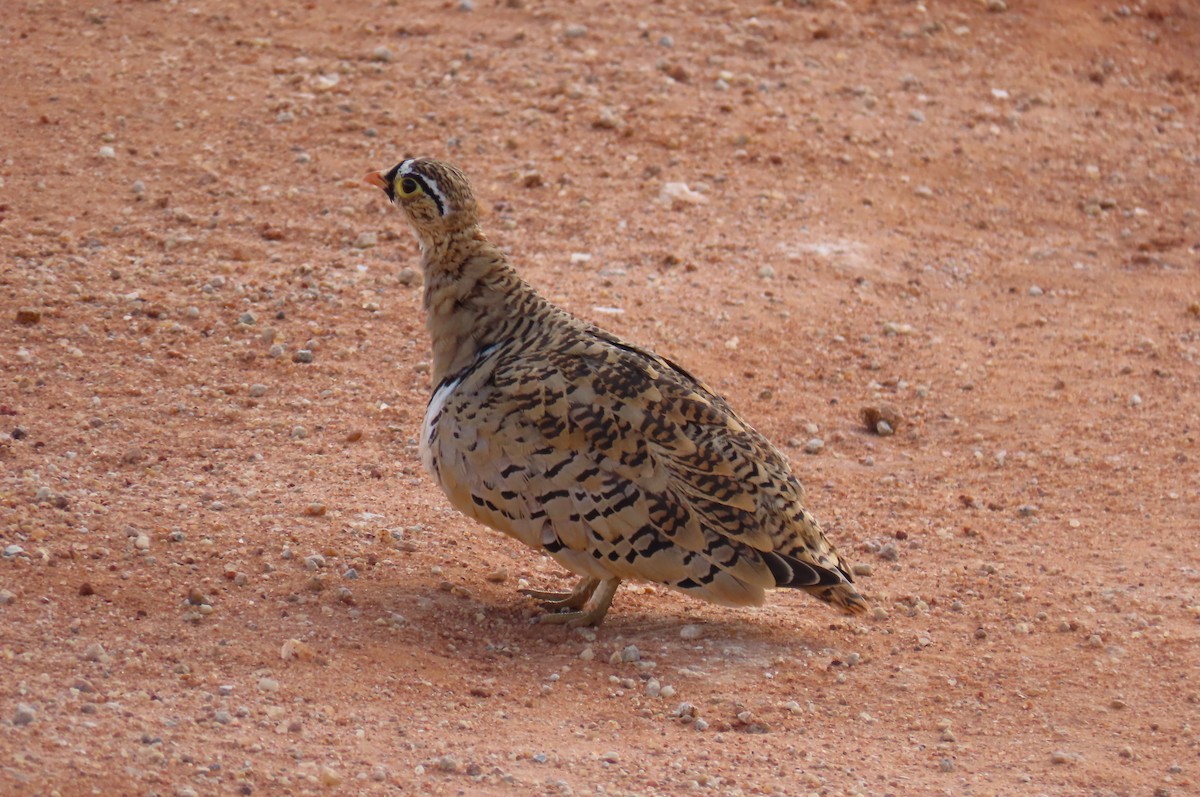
x: 619, y: 463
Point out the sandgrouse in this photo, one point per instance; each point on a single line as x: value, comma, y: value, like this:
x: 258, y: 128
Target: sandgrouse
x: 615, y: 461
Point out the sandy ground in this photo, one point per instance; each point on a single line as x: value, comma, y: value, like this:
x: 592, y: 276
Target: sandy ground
x: 224, y: 571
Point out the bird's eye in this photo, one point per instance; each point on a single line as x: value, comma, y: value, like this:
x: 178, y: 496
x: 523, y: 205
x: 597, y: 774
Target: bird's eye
x: 409, y: 186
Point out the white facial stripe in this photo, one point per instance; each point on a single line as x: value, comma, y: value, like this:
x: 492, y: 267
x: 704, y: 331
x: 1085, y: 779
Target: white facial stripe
x: 432, y: 185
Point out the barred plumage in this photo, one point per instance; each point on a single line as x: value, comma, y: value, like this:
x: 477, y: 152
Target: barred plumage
x: 615, y: 461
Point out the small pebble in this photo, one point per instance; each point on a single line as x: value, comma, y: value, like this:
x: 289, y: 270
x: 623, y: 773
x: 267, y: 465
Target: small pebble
x: 299, y: 432
x: 1027, y: 510
x: 7, y: 597
x: 139, y: 187
x: 302, y: 356
x: 382, y: 54
x: 330, y: 777
x: 447, y: 763
x: 315, y: 510
x: 1060, y: 757
x: 28, y: 316
x: 95, y: 652
x: 575, y: 31
x: 889, y: 552
x: 862, y: 569
x: 107, y: 152
x: 268, y: 684
x: 814, y: 446
x: 366, y: 240
x: 24, y: 714
x: 631, y: 653
x: 258, y: 390
x: 13, y: 550
x: 1034, y: 290
x: 691, y: 631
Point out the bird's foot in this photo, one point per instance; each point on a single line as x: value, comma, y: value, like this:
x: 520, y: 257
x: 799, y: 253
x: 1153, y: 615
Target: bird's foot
x: 557, y: 601
x: 591, y: 610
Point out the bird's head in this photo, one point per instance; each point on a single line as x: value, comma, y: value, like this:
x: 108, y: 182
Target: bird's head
x: 436, y: 197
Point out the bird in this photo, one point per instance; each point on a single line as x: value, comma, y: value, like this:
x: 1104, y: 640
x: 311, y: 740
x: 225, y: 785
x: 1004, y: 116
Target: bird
x: 614, y: 461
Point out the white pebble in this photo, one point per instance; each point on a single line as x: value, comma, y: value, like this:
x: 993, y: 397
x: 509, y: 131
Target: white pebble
x: 691, y: 631
x: 107, y: 152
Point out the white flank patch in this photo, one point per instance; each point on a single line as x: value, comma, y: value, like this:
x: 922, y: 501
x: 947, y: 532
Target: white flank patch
x: 429, y: 427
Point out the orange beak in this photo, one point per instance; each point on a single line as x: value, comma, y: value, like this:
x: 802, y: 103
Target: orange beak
x: 376, y: 179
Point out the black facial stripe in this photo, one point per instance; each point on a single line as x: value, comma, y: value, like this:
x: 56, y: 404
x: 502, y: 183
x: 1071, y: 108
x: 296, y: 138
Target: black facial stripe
x: 431, y: 194
x: 390, y: 179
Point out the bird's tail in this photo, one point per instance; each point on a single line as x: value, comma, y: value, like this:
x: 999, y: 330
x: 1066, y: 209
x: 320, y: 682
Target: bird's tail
x: 844, y: 595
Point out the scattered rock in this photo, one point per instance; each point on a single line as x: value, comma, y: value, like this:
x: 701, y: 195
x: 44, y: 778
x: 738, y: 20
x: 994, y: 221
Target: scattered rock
x: 679, y: 196
x: 814, y: 446
x: 882, y: 419
x: 24, y: 715
x: 691, y: 631
x: 28, y: 316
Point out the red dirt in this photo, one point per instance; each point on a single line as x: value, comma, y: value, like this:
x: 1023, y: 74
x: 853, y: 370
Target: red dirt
x: 986, y: 220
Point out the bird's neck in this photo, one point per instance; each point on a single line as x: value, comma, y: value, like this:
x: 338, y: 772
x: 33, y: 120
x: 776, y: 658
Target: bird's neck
x: 473, y: 298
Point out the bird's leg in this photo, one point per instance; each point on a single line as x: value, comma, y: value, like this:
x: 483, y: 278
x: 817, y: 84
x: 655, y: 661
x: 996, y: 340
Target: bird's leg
x: 574, y: 599
x: 592, y: 611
